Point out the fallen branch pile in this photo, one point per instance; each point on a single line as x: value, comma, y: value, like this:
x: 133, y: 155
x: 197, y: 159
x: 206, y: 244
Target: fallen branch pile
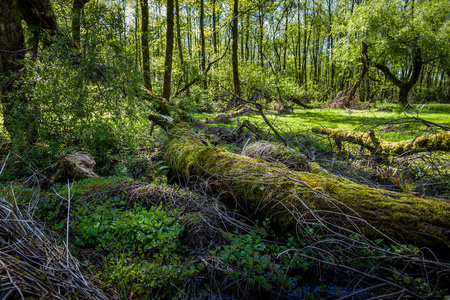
x: 32, y: 265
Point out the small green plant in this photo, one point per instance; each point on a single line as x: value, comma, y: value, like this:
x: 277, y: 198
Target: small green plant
x: 153, y: 231
x: 142, y: 276
x: 265, y: 264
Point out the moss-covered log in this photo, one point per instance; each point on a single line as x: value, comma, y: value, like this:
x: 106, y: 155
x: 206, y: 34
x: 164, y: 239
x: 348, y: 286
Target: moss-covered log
x: 434, y: 142
x: 163, y: 106
x: 290, y: 197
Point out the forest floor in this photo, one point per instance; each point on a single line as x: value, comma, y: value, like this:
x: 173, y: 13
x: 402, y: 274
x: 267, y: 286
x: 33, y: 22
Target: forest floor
x: 149, y: 235
x: 353, y: 119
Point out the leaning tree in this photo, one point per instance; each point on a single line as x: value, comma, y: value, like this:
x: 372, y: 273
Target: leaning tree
x: 401, y: 38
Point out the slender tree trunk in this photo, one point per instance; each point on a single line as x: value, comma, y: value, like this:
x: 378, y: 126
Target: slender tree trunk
x: 261, y: 36
x: 299, y: 38
x: 237, y: 84
x: 247, y: 37
x: 137, y: 58
x: 214, y: 27
x: 169, y: 52
x: 78, y: 6
x: 180, y: 48
x: 306, y: 39
x: 362, y: 75
x: 145, y: 46
x: 189, y: 35
x: 202, y: 40
x: 285, y: 39
x: 242, y: 40
x: 19, y: 115
x: 330, y: 42
x: 405, y: 86
x: 12, y: 52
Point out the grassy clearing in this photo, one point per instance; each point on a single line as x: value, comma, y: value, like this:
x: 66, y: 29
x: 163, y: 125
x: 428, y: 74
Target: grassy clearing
x: 424, y: 173
x: 304, y: 119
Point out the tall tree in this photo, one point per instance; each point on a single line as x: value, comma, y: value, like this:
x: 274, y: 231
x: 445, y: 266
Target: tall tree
x: 214, y: 27
x: 12, y: 51
x: 234, y: 46
x: 145, y: 45
x: 39, y: 17
x: 19, y: 120
x: 180, y: 47
x: 77, y: 8
x: 202, y: 40
x: 401, y: 38
x: 169, y: 51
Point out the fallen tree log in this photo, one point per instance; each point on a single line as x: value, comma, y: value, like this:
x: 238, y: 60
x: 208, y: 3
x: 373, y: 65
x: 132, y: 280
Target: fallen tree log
x: 292, y: 199
x: 76, y: 165
x: 434, y: 142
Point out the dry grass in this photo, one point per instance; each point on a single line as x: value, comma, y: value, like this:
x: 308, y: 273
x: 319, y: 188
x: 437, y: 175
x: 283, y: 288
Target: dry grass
x: 33, y: 266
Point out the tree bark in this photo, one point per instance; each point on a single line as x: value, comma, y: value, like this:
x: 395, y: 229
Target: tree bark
x: 214, y: 33
x: 145, y: 46
x: 18, y: 116
x: 291, y: 198
x: 77, y: 7
x: 235, y: 62
x: 362, y: 75
x: 38, y: 14
x: 202, y: 41
x: 169, y: 51
x: 261, y: 36
x: 12, y: 52
x: 180, y: 47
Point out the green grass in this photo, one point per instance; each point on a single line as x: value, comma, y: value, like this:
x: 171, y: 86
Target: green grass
x: 304, y: 119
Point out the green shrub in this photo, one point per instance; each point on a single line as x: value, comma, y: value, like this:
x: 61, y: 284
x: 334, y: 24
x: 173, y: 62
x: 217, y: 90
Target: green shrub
x: 153, y: 232
x: 265, y: 264
x: 159, y: 277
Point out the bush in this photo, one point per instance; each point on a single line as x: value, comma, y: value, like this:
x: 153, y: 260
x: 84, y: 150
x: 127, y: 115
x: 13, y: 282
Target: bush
x: 262, y: 263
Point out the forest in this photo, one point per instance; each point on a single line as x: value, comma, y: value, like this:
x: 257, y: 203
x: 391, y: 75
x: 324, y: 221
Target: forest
x: 225, y: 149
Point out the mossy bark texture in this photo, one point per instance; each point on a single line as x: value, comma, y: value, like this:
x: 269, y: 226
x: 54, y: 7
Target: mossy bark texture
x: 434, y: 142
x: 290, y: 197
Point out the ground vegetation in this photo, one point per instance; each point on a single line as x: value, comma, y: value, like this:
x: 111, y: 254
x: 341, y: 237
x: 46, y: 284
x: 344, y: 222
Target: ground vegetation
x: 224, y: 149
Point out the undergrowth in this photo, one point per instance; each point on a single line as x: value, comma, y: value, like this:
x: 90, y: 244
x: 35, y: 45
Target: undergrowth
x: 143, y: 240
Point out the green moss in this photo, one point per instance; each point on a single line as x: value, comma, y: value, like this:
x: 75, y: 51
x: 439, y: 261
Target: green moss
x: 281, y: 194
x: 434, y: 142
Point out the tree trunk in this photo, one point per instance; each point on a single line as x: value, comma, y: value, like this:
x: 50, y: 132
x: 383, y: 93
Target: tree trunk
x: 291, y: 198
x: 247, y: 37
x: 38, y: 15
x: 362, y: 75
x: 180, y: 48
x: 434, y: 142
x: 145, y: 46
x: 405, y: 86
x: 169, y: 51
x: 237, y: 84
x: 12, y: 52
x: 78, y: 6
x: 202, y: 41
x: 214, y: 27
x: 18, y: 115
x: 261, y: 36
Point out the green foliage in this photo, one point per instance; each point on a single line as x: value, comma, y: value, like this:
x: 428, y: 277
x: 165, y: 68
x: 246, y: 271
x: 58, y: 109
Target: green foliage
x: 152, y: 232
x: 154, y: 278
x: 140, y: 246
x: 262, y: 263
